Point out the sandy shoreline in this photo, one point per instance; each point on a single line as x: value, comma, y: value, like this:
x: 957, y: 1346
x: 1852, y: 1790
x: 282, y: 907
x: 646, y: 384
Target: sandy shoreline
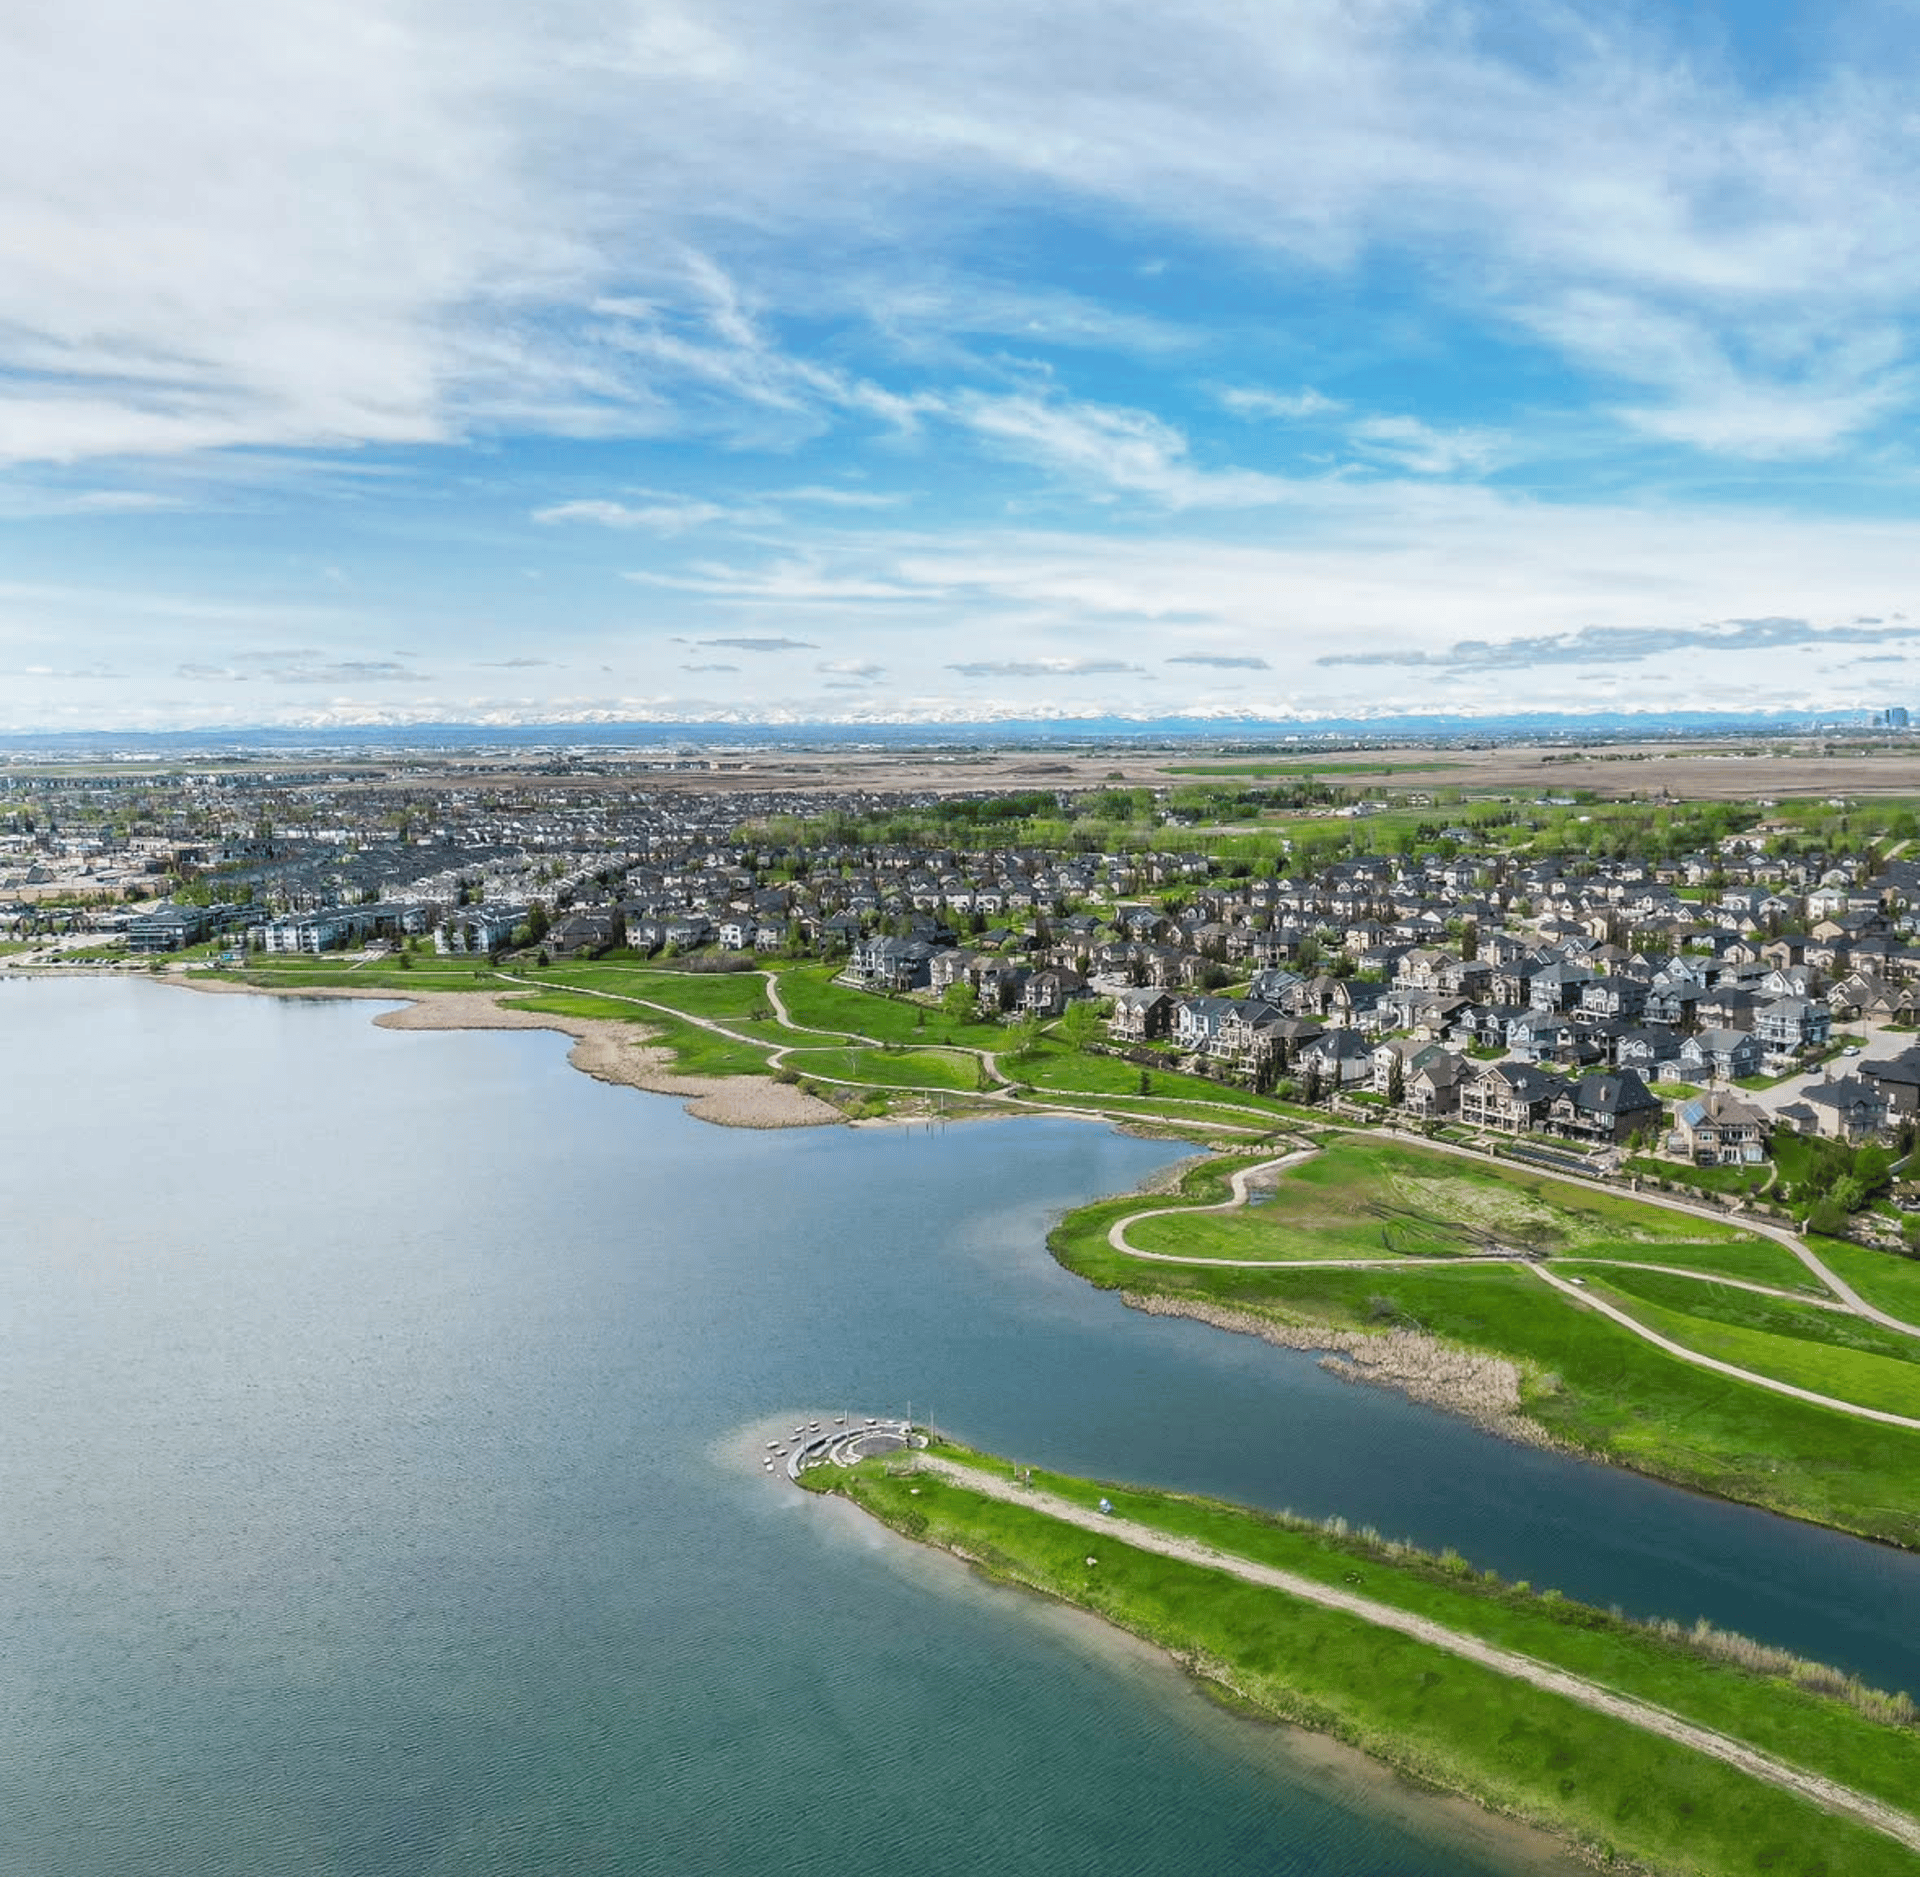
x: 1483, y: 1389
x: 610, y: 1049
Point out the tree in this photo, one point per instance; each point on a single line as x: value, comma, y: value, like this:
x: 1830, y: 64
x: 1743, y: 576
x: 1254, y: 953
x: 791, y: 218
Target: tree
x: 1826, y: 1218
x: 1397, y: 1080
x: 1026, y: 1036
x: 539, y: 921
x: 957, y: 1001
x: 1081, y: 1023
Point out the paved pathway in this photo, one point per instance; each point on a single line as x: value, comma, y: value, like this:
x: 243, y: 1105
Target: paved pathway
x: 1826, y: 1793
x: 1713, y: 1362
x: 1847, y: 1301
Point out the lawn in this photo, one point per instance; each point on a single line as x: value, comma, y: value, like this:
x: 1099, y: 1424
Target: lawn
x: 695, y: 1051
x: 1705, y: 1179
x: 1585, y: 1379
x: 1708, y: 1684
x: 1854, y: 1361
x: 1364, y: 1197
x: 910, y: 1068
x: 424, y: 973
x: 719, y: 995
x: 1435, y: 1715
x: 812, y: 999
x: 1885, y: 1279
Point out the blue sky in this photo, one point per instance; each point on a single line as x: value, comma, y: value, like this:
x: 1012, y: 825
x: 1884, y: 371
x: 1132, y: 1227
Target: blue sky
x: 770, y: 362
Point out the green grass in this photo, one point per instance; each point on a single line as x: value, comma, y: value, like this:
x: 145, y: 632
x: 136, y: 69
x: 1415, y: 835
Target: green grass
x: 1613, y: 1394
x: 1647, y: 1660
x: 720, y: 995
x: 1365, y: 1197
x: 1587, y: 1380
x: 1844, y: 1357
x: 695, y: 1051
x: 911, y: 1068
x: 1600, y: 1781
x: 1885, y: 1279
x: 426, y: 973
x: 814, y: 1000
x: 1736, y: 1179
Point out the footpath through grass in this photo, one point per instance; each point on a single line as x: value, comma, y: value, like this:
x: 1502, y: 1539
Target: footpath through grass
x: 1597, y: 1780
x: 1587, y: 1380
x: 1819, y: 1350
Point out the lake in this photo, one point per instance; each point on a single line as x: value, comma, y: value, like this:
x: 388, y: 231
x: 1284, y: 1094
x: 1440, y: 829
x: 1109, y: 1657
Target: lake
x: 380, y: 1490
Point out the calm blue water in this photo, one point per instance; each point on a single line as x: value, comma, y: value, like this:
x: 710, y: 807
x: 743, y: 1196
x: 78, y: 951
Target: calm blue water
x: 372, y: 1496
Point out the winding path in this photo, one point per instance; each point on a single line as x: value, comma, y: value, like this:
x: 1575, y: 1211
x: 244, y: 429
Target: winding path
x: 1011, y: 1094
x: 1845, y: 1301
x: 1828, y: 1794
x: 1021, y: 1097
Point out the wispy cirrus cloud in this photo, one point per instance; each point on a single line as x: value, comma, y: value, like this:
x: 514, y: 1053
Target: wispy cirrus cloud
x: 1221, y: 661
x: 302, y: 668
x: 664, y: 515
x: 762, y: 644
x: 1046, y: 668
x: 1286, y: 406
x: 1595, y: 645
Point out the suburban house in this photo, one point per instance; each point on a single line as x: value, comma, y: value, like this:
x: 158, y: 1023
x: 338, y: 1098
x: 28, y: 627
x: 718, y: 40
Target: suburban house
x: 1849, y: 1109
x: 1729, y: 1054
x: 1340, y: 1058
x: 1789, y: 1024
x: 890, y: 964
x: 1140, y: 1016
x: 1898, y: 1080
x: 1718, y: 1129
x: 1512, y: 1096
x: 1048, y: 993
x: 1604, y: 1107
x: 1433, y: 1083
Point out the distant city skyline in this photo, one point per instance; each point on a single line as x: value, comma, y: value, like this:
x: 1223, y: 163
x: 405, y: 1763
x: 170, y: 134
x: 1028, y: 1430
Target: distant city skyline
x: 750, y: 362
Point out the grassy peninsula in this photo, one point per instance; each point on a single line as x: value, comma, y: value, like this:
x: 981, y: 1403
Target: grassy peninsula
x: 1371, y: 1239
x: 1838, y: 1765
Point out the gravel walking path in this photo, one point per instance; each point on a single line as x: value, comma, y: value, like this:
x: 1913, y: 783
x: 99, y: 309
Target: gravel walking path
x: 1826, y: 1793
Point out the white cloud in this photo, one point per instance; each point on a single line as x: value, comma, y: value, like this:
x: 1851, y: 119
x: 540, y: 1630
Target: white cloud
x: 1105, y: 447
x: 1406, y: 443
x: 1287, y: 406
x: 672, y: 515
x: 838, y: 498
x: 349, y: 223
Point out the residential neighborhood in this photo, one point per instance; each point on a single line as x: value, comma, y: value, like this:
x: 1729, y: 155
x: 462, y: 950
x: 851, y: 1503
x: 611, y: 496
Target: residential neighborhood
x: 1689, y: 1006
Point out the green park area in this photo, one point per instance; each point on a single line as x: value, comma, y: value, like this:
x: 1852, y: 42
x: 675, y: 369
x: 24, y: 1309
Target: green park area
x: 1605, y: 1763
x: 1584, y: 1378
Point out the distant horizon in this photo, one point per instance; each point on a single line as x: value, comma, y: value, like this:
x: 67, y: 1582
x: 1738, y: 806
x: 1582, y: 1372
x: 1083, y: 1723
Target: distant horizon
x: 607, y: 732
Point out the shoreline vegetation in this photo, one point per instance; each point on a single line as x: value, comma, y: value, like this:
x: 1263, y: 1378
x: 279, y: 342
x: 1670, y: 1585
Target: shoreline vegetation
x: 1488, y: 1339
x: 1652, y: 1744
x: 1625, y: 1329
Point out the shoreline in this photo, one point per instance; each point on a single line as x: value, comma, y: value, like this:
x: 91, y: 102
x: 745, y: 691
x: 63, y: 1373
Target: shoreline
x: 1518, y: 1795
x: 1318, y: 1763
x: 606, y: 1048
x: 1480, y: 1389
